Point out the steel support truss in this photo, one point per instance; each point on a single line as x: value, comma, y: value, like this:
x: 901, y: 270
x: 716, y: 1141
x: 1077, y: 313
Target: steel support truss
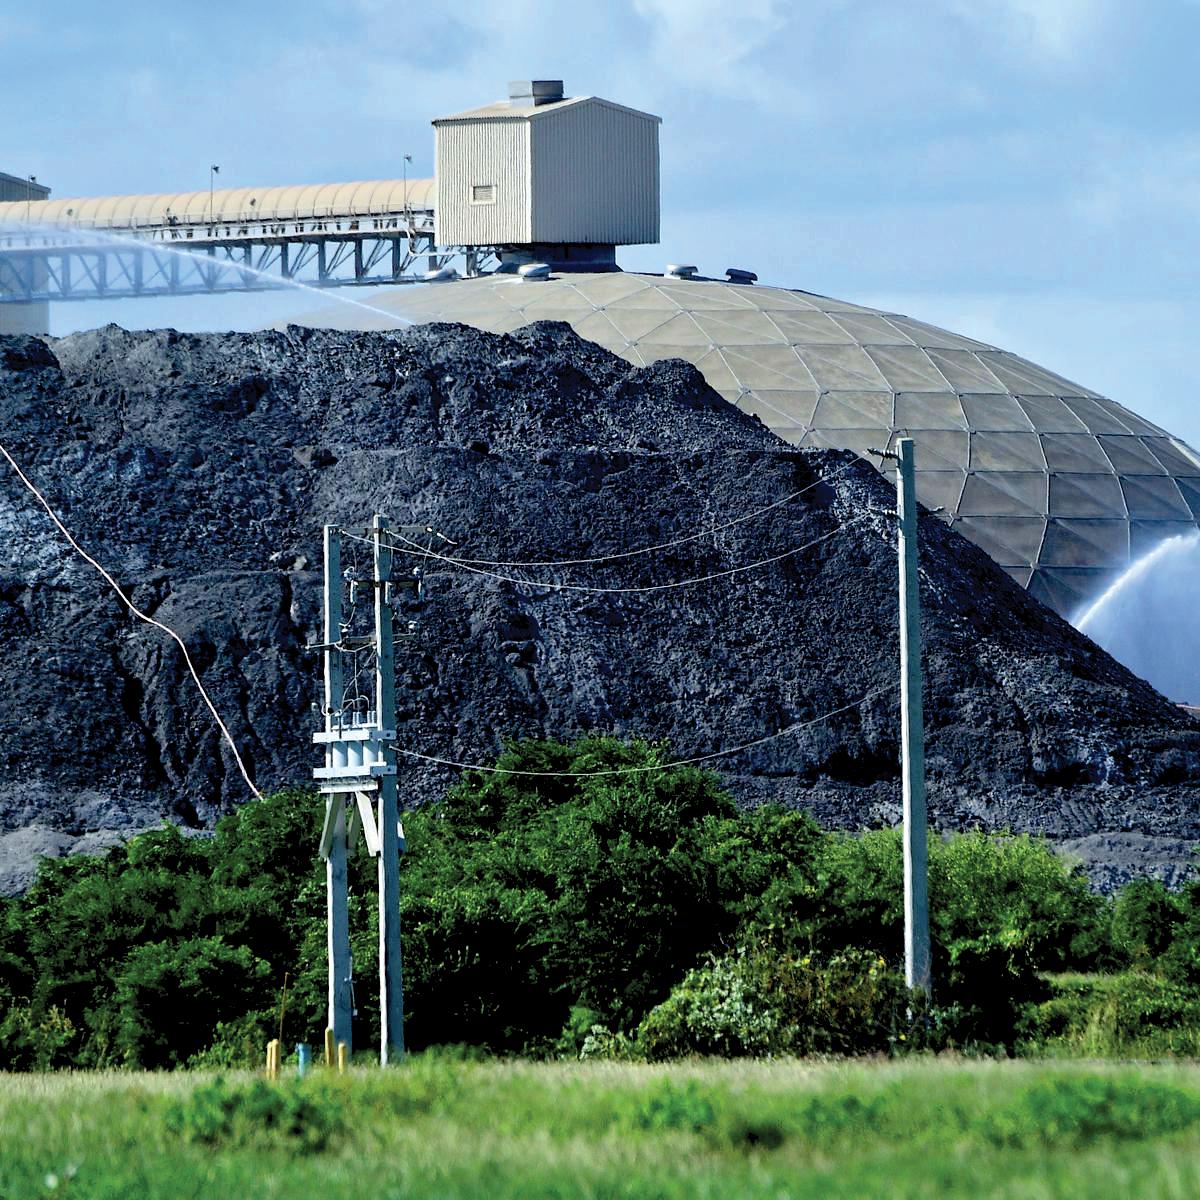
x: 36, y: 266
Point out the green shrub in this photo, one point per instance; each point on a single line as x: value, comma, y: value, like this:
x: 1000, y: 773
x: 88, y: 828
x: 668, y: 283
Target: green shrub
x: 35, y: 1042
x: 600, y: 1043
x: 1146, y: 917
x: 239, y: 1043
x: 1129, y: 1014
x: 525, y: 899
x: 760, y: 1001
x: 1003, y: 910
x: 257, y: 1114
x: 171, y: 996
x: 669, y: 1106
x: 1080, y: 1109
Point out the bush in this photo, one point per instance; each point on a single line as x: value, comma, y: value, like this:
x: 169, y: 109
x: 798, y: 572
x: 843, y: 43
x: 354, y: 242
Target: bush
x: 239, y: 1043
x: 1003, y: 910
x: 35, y: 1042
x: 561, y: 913
x: 675, y: 1107
x: 170, y: 998
x: 1080, y: 1109
x: 1146, y: 918
x: 1125, y: 1015
x: 759, y: 1002
x: 525, y: 899
x: 257, y: 1114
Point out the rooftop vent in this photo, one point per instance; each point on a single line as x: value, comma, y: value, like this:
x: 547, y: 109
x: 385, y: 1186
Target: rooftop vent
x: 680, y: 271
x: 535, y: 91
x: 534, y: 271
x: 737, y: 275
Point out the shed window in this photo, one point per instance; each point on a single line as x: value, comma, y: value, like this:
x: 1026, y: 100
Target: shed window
x: 483, y: 193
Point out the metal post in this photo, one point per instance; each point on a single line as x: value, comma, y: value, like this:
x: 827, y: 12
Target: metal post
x: 917, y: 971
x: 338, y: 921
x: 391, y: 987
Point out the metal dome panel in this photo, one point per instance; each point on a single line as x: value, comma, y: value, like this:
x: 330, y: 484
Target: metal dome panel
x: 1060, y: 485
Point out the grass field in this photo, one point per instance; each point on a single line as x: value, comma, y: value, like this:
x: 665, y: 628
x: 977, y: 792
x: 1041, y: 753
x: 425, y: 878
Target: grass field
x: 507, y: 1130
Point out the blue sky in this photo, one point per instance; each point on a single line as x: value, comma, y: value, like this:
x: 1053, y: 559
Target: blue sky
x: 1026, y: 171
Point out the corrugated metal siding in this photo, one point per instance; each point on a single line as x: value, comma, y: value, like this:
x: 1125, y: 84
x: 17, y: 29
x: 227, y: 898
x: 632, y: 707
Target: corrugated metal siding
x: 471, y: 153
x: 12, y: 187
x: 595, y: 176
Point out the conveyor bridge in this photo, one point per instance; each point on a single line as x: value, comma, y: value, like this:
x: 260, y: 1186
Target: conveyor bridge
x: 238, y: 239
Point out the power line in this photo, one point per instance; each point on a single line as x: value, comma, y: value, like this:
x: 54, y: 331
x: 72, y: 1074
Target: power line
x: 691, y: 537
x: 412, y: 547
x: 679, y: 762
x: 141, y: 616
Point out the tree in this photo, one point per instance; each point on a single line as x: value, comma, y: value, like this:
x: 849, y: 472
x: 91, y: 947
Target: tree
x: 170, y: 997
x: 527, y: 897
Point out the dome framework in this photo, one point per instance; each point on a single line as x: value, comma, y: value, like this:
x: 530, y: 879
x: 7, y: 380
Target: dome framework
x: 1062, y: 487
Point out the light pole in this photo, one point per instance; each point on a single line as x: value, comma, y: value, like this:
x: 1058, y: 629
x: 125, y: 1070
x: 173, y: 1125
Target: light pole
x: 407, y: 217
x: 29, y: 198
x: 213, y: 172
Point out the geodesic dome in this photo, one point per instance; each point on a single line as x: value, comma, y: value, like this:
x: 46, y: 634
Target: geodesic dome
x: 1061, y: 486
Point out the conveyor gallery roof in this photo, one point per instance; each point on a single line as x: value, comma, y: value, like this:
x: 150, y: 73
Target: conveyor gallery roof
x: 231, y: 206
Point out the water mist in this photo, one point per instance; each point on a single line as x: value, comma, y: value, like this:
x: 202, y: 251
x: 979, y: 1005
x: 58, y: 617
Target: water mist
x: 1149, y: 618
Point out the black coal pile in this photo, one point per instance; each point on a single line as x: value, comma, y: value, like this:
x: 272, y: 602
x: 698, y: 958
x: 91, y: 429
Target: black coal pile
x: 200, y: 470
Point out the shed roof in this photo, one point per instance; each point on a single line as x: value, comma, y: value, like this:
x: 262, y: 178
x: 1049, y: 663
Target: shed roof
x: 506, y: 110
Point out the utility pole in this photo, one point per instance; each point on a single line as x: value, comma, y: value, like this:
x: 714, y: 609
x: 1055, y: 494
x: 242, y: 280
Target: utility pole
x: 918, y: 973
x: 341, y: 1003
x: 213, y: 172
x: 407, y: 213
x: 391, y: 987
x: 917, y: 967
x: 358, y: 778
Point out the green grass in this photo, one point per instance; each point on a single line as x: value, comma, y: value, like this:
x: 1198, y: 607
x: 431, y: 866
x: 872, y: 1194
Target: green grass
x: 925, y: 1128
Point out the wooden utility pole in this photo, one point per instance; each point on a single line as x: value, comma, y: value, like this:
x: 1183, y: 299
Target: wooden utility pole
x: 917, y: 966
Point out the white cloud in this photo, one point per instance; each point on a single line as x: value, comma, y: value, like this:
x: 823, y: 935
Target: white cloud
x: 706, y: 40
x: 1053, y: 31
x: 1155, y: 181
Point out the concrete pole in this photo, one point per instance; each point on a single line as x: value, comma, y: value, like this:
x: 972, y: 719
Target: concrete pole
x: 336, y: 888
x: 917, y: 968
x: 391, y: 984
x: 341, y: 996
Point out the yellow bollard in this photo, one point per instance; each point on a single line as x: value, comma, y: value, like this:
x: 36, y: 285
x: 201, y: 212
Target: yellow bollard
x: 341, y: 1058
x: 273, y: 1059
x: 330, y: 1051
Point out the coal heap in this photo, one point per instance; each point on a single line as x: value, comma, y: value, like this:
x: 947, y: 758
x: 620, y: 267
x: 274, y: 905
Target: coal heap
x: 200, y: 470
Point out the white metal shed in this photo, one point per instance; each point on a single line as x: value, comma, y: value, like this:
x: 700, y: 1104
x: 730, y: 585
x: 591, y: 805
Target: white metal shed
x: 541, y: 168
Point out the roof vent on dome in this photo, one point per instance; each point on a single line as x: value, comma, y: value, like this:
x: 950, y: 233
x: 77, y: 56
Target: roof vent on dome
x: 680, y: 271
x: 526, y: 92
x: 737, y: 275
x: 531, y: 272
